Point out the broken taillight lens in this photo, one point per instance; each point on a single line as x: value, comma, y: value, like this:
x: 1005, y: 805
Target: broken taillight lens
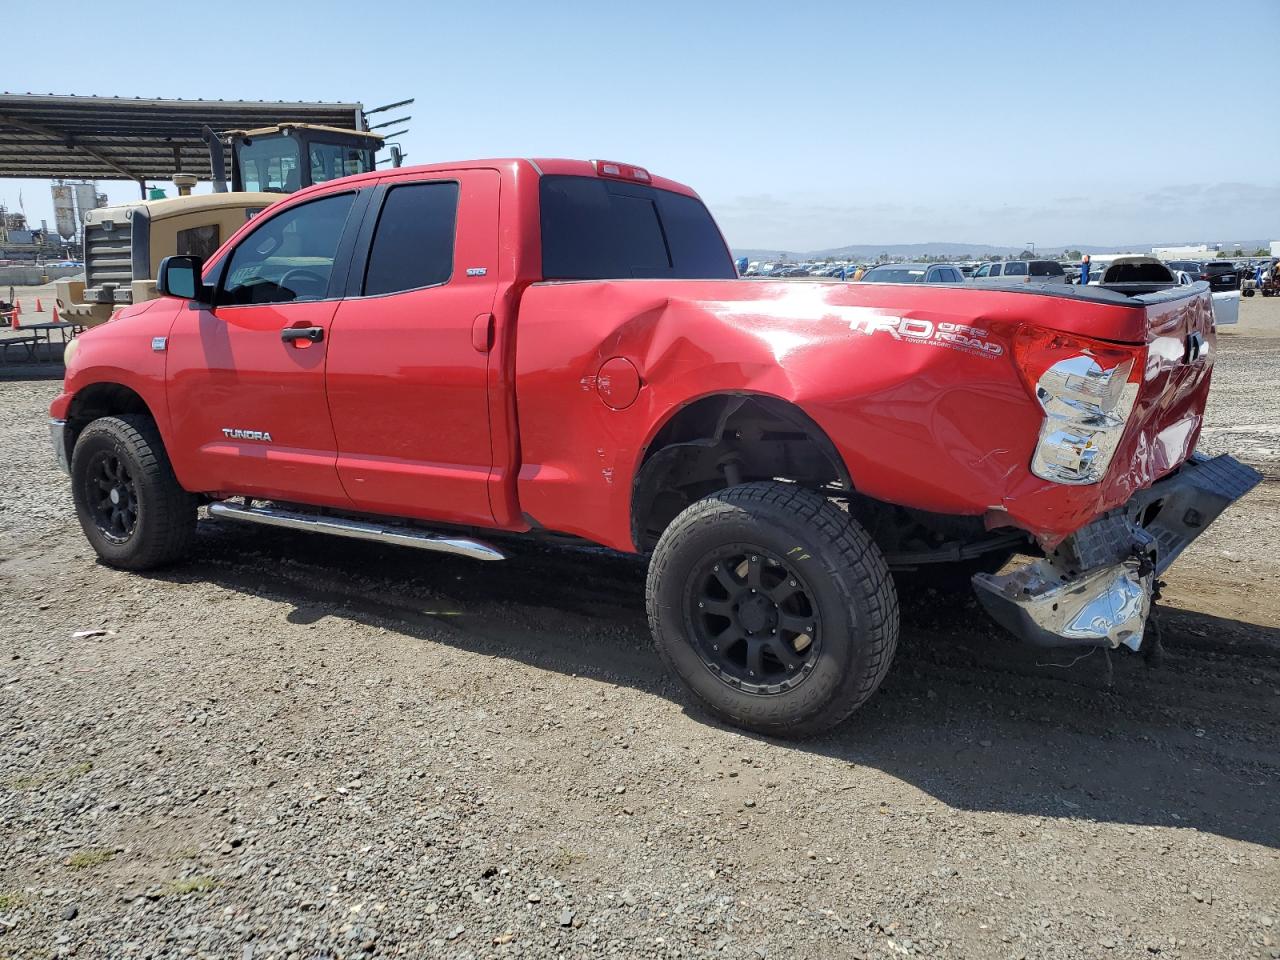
x: 1086, y: 389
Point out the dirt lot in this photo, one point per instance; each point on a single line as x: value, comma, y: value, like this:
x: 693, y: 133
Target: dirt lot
x: 295, y: 747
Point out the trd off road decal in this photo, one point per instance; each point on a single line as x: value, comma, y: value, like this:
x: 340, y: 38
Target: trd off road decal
x: 956, y: 336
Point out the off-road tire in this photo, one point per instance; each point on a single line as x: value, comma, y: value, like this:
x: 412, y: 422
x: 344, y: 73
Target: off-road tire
x: 165, y: 515
x: 852, y: 589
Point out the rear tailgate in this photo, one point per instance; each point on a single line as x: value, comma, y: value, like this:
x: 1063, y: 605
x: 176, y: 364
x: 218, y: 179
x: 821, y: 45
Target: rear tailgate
x: 1166, y: 419
x: 1170, y: 337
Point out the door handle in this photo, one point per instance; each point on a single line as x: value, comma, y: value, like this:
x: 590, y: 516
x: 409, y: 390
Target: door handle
x: 312, y: 334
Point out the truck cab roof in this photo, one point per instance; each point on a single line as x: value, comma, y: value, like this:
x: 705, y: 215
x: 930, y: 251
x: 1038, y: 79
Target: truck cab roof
x: 539, y: 166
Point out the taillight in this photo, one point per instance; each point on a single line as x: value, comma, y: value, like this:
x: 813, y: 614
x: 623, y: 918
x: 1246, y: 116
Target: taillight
x: 1086, y: 389
x: 1204, y: 276
x: 622, y: 171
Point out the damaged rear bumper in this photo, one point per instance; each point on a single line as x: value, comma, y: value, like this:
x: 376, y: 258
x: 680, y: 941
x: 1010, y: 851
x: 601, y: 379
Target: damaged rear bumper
x: 1096, y: 588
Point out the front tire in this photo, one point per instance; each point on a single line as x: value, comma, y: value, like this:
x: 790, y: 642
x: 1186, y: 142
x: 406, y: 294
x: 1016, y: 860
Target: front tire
x: 774, y: 608
x: 128, y: 502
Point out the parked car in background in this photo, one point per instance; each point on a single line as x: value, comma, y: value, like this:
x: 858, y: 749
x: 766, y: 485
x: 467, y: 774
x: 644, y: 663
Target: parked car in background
x: 1020, y: 271
x: 914, y: 273
x: 1138, y: 275
x: 1193, y: 267
x: 1222, y: 275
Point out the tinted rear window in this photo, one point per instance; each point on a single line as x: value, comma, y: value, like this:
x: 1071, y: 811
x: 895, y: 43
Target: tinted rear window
x: 413, y: 245
x: 594, y: 229
x: 1046, y: 268
x: 895, y: 275
x: 1137, y: 273
x: 1221, y: 268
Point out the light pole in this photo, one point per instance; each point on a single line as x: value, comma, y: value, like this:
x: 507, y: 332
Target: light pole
x: 1033, y: 248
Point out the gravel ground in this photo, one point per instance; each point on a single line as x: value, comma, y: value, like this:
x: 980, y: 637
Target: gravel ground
x: 297, y: 747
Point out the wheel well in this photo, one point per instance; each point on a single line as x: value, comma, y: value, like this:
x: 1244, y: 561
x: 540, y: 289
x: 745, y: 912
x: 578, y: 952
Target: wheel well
x: 100, y: 400
x: 721, y: 441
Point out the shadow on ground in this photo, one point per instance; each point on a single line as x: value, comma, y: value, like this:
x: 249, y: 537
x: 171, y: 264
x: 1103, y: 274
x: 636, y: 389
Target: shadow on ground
x: 970, y: 716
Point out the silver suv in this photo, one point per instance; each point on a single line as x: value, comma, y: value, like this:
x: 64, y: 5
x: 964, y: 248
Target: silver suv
x: 1020, y: 271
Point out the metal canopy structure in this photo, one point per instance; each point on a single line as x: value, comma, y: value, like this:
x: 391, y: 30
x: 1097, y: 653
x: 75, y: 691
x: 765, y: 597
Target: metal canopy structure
x: 123, y: 138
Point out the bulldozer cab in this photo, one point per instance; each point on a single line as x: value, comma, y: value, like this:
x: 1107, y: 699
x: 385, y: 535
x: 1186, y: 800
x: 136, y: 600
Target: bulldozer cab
x: 288, y: 157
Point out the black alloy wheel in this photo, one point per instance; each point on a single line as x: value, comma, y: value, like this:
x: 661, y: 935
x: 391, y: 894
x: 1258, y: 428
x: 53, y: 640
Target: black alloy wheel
x: 753, y: 620
x: 112, y: 496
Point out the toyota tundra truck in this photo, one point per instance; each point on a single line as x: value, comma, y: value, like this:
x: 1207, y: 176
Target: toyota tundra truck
x: 447, y: 356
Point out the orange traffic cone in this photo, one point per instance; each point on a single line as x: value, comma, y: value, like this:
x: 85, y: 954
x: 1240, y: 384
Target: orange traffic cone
x: 55, y: 313
x: 39, y: 306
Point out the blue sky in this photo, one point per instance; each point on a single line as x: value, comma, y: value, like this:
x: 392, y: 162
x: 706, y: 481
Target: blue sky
x: 802, y: 125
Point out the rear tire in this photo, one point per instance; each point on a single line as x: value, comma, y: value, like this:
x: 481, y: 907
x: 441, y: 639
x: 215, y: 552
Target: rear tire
x: 773, y: 607
x: 128, y: 501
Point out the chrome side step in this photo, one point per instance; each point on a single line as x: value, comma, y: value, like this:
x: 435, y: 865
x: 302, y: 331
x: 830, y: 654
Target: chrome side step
x: 357, y: 530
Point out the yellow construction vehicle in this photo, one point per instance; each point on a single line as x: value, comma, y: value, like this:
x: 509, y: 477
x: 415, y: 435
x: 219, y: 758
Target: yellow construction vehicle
x: 124, y: 244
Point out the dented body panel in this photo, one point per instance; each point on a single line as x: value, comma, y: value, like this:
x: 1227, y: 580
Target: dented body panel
x: 916, y: 387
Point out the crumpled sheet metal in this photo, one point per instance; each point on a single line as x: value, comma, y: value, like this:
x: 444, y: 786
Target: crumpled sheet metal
x: 1104, y: 608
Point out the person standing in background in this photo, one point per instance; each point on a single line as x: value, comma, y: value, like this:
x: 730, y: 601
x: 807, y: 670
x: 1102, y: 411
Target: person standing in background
x: 1084, y: 270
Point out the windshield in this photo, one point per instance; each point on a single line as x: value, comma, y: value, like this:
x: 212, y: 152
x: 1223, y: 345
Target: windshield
x: 270, y: 164
x: 894, y: 275
x: 329, y: 161
x: 597, y: 229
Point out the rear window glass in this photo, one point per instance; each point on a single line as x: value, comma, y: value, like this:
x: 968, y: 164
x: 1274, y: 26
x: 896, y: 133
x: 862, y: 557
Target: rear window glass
x: 595, y: 229
x: 1221, y: 268
x: 413, y: 244
x: 1045, y: 268
x: 1016, y: 268
x: 1137, y: 273
x: 895, y: 275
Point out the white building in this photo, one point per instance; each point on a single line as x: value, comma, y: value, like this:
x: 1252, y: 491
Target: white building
x: 1275, y: 248
x: 1198, y: 251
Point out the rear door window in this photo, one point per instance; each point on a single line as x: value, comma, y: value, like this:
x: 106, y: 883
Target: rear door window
x: 1015, y: 268
x: 413, y: 243
x: 597, y: 229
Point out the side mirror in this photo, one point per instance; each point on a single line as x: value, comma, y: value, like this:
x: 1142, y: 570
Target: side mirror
x: 179, y: 276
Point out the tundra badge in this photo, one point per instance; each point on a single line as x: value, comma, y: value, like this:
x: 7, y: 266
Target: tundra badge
x: 262, y: 435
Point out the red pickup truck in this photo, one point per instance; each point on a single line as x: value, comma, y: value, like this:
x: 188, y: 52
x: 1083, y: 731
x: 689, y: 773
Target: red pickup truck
x: 552, y: 346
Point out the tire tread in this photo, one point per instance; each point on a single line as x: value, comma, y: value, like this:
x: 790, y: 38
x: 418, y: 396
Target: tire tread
x: 171, y: 519
x: 854, y: 563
